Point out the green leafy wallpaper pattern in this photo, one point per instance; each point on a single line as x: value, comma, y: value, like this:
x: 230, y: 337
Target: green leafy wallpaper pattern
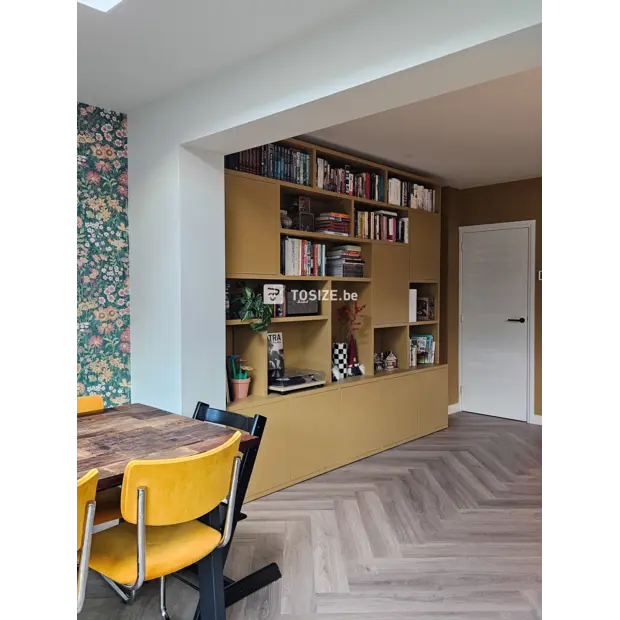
x: 103, y: 336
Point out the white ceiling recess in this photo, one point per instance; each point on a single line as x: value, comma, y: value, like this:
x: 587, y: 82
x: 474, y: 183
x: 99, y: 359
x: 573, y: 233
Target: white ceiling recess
x: 485, y: 134
x: 141, y: 50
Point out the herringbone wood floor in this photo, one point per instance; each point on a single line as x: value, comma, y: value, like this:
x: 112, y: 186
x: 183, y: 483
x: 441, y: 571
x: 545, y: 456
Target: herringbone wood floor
x: 446, y: 527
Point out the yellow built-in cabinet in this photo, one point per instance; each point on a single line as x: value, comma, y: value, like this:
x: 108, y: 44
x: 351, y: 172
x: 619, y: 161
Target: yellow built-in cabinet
x: 424, y: 248
x: 390, y: 277
x: 251, y: 219
x: 308, y: 433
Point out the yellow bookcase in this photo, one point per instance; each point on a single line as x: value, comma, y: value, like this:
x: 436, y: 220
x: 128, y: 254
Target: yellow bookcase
x: 313, y: 431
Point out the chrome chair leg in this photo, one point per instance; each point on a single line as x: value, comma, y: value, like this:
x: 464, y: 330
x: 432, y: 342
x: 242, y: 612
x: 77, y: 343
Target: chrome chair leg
x: 162, y: 599
x: 128, y: 596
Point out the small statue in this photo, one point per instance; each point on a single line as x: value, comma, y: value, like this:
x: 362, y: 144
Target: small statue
x: 390, y: 361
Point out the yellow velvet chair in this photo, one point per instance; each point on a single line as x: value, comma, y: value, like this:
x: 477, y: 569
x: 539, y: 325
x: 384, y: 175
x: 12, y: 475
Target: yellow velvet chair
x: 86, y: 489
x: 89, y: 404
x: 108, y: 501
x: 161, y: 501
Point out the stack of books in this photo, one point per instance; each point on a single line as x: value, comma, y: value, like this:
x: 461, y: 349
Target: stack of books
x: 332, y: 223
x: 421, y: 349
x: 345, y: 181
x: 300, y: 257
x: 274, y: 161
x: 410, y: 194
x: 345, y: 261
x: 382, y: 225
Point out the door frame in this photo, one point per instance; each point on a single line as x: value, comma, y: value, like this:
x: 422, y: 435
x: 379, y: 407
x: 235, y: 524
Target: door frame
x: 531, y: 226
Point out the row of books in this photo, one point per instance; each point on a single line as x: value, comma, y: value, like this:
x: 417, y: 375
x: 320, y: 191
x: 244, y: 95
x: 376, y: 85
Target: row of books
x: 421, y: 349
x: 410, y: 194
x: 344, y: 181
x: 345, y: 261
x: 381, y: 225
x: 274, y: 161
x: 333, y: 223
x: 299, y: 257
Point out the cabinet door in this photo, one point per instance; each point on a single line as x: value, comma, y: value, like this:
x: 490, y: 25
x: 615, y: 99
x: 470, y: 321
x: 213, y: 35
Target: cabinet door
x: 432, y: 398
x: 361, y: 413
x: 424, y: 246
x: 317, y: 433
x: 252, y: 226
x: 390, y: 284
x: 272, y: 467
x: 400, y: 409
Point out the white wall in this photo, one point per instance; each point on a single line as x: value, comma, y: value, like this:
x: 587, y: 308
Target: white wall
x: 331, y: 75
x: 203, y: 337
x: 154, y: 261
x: 176, y: 219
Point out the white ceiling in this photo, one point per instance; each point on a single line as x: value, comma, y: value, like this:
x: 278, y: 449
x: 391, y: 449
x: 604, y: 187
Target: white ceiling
x: 144, y: 49
x: 489, y: 133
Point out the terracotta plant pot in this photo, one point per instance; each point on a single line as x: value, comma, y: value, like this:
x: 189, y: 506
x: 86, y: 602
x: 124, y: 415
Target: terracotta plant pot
x: 241, y: 388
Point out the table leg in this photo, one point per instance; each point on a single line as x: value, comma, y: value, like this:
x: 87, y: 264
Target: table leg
x: 235, y: 591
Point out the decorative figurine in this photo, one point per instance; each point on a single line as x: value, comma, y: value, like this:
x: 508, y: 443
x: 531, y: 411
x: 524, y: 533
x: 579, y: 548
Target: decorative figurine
x: 285, y: 219
x: 390, y: 361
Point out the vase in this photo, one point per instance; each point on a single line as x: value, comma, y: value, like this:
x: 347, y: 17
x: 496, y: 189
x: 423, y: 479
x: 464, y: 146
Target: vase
x: 352, y: 355
x: 240, y: 388
x: 339, y: 358
x: 285, y: 219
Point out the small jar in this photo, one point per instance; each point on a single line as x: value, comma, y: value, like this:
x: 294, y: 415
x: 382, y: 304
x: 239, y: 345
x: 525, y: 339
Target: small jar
x: 285, y: 219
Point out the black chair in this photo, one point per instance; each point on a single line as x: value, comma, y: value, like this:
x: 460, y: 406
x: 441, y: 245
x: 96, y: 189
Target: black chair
x: 234, y: 591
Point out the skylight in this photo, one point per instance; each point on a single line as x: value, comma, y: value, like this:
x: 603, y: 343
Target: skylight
x: 100, y: 5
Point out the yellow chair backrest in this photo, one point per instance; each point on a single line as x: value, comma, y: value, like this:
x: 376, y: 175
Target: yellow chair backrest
x: 179, y: 489
x: 86, y: 490
x: 89, y: 404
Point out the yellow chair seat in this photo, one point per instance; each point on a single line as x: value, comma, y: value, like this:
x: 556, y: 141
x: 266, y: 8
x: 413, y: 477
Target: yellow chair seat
x: 108, y: 505
x: 169, y: 548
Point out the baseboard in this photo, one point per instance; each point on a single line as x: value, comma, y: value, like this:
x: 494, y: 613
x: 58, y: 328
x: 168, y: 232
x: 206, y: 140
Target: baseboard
x: 536, y: 419
x: 455, y: 408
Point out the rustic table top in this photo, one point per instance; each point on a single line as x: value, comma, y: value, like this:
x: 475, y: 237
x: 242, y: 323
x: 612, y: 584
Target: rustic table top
x: 109, y: 439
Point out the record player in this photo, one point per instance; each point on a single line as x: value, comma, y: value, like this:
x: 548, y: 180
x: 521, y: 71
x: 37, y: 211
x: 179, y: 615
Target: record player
x: 293, y: 379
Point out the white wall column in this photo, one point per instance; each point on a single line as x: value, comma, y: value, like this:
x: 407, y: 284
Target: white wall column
x: 176, y: 223
x: 203, y: 280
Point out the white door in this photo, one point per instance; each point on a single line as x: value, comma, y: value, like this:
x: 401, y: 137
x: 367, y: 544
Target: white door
x: 494, y: 351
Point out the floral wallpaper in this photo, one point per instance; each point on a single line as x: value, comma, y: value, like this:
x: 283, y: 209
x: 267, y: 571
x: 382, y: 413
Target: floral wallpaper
x: 103, y: 337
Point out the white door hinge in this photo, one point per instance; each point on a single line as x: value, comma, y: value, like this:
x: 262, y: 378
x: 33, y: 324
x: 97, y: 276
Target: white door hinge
x: 461, y: 318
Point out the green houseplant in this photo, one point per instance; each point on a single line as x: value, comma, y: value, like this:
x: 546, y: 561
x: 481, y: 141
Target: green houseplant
x: 249, y: 306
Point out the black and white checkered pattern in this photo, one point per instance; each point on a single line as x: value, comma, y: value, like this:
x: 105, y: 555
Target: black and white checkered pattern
x: 339, y: 357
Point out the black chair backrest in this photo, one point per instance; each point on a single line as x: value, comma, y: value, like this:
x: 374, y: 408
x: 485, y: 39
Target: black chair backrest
x: 204, y: 413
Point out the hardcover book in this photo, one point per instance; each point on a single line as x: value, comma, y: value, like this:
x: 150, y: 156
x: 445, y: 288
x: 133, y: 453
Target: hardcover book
x: 426, y: 309
x: 275, y: 356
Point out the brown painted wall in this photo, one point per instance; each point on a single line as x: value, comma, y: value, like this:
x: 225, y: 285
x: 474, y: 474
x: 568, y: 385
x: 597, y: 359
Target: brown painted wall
x: 504, y: 202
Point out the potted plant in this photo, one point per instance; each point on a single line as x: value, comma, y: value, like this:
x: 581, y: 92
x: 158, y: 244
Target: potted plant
x: 239, y: 377
x: 250, y: 306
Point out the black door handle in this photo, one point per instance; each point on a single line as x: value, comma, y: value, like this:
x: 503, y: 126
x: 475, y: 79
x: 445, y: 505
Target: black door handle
x: 521, y: 320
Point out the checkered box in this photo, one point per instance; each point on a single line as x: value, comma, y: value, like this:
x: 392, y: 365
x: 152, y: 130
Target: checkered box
x: 339, y: 357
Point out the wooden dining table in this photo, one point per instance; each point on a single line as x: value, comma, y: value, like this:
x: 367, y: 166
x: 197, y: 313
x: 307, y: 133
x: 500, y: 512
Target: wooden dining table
x: 108, y: 440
